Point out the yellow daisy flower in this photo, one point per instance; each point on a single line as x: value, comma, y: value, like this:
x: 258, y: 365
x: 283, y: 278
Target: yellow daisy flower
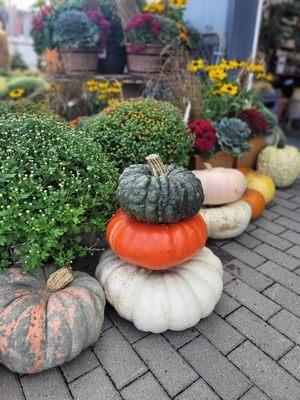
x: 195, y: 65
x: 113, y: 102
x: 217, y: 74
x: 102, y: 96
x: 16, y: 93
x: 228, y: 88
x: 103, y: 85
x: 156, y: 7
x: 233, y: 64
x: 178, y: 3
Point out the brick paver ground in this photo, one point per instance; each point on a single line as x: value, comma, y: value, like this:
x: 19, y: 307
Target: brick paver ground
x: 248, y: 349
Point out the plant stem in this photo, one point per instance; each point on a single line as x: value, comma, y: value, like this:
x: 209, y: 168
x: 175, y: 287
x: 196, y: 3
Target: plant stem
x: 156, y: 165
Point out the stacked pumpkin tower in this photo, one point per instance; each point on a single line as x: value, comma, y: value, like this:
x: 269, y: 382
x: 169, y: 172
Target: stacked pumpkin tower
x: 157, y: 272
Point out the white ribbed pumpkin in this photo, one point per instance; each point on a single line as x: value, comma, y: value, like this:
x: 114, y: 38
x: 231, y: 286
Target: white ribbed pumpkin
x: 221, y: 185
x: 156, y: 301
x: 228, y: 221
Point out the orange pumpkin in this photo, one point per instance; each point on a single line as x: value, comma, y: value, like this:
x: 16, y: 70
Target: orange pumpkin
x: 155, y: 246
x: 256, y: 200
x: 245, y: 170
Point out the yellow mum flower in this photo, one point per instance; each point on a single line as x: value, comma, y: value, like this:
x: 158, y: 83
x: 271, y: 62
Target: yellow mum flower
x: 258, y: 68
x: 16, y: 93
x: 233, y: 64
x: 156, y: 7
x: 102, y: 96
x: 103, y: 85
x: 115, y: 90
x: 116, y: 83
x: 178, y: 3
x: 229, y: 89
x: 113, y: 102
x: 217, y: 74
x: 267, y: 77
x: 195, y: 65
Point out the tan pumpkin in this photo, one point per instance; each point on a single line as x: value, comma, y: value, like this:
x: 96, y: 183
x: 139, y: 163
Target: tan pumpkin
x: 47, y: 320
x: 227, y: 221
x: 221, y: 185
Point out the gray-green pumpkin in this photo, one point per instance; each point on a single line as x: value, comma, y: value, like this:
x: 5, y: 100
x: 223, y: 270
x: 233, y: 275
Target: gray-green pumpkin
x: 159, y: 194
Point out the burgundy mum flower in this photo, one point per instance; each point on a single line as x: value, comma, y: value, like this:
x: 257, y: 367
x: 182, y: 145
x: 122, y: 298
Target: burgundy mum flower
x: 205, y: 135
x: 255, y: 121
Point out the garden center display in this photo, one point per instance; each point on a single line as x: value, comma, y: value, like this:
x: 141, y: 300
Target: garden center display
x: 47, y: 320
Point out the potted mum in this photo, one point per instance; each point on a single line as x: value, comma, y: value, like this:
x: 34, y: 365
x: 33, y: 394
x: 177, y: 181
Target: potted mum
x: 147, y: 35
x: 77, y: 37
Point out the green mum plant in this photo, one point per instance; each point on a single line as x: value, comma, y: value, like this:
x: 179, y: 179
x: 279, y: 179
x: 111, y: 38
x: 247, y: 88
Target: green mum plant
x: 23, y: 107
x: 132, y: 130
x: 233, y: 135
x: 74, y: 29
x: 56, y: 184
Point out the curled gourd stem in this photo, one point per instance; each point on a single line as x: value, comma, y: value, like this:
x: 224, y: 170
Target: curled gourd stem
x: 156, y: 165
x: 59, y: 279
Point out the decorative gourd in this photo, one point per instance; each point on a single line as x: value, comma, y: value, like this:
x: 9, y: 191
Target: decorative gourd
x: 280, y: 162
x: 256, y: 201
x: 159, y: 194
x: 228, y: 221
x: 221, y: 185
x: 263, y: 184
x: 155, y: 246
x: 245, y: 170
x: 45, y: 323
x: 156, y: 301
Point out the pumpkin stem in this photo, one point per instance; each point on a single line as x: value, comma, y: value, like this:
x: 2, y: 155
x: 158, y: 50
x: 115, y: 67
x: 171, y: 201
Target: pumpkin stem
x: 156, y: 165
x: 208, y: 166
x: 59, y: 279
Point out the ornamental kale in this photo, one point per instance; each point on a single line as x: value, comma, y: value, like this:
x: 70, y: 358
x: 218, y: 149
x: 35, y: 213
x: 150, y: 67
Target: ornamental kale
x: 74, y: 29
x: 233, y: 135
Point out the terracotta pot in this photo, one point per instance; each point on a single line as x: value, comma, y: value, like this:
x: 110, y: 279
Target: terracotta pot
x: 80, y: 60
x: 220, y: 159
x: 249, y: 159
x: 144, y: 61
x: 53, y: 61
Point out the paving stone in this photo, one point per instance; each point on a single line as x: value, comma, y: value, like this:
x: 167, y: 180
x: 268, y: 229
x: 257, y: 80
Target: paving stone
x: 297, y: 271
x: 254, y: 394
x: 248, y: 241
x: 270, y: 214
x: 288, y: 324
x: 171, y: 370
x: 118, y: 358
x: 47, y: 385
x: 10, y: 388
x: 144, y: 388
x: 288, y: 223
x: 131, y: 333
x: 220, y: 333
x: 291, y: 236
x: 273, y: 240
x: 243, y: 254
x: 95, y: 385
x: 218, y: 242
x: 294, y: 251
x: 82, y: 364
x: 285, y: 203
x: 270, y: 226
x: 180, y: 338
x: 281, y: 275
x: 250, y: 227
x: 225, y: 379
x: 198, y: 391
x: 248, y: 275
x: 226, y: 305
x: 256, y: 302
x: 283, y: 212
x: 291, y: 362
x: 265, y: 373
x: 283, y: 194
x: 284, y: 297
x: 227, y: 278
x: 220, y: 252
x: 285, y: 260
x: 260, y: 333
x: 106, y: 324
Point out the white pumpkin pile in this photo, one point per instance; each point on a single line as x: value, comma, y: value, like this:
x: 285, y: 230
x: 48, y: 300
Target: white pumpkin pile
x: 226, y: 215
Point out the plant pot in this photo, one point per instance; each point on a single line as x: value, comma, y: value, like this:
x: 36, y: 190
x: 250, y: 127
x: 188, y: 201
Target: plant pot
x: 220, y: 159
x: 144, y: 61
x: 53, y: 62
x: 115, y: 59
x: 249, y: 159
x: 80, y: 60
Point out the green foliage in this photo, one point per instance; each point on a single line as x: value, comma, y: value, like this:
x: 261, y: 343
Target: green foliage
x: 30, y: 84
x: 17, y: 62
x: 109, y: 11
x: 55, y: 185
x: 23, y: 107
x: 73, y: 29
x: 233, y: 135
x: 3, y: 86
x: 134, y: 129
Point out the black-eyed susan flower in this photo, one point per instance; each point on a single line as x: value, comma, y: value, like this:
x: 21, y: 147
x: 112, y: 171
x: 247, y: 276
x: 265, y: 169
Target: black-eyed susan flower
x: 195, y: 65
x: 16, y: 93
x: 229, y: 88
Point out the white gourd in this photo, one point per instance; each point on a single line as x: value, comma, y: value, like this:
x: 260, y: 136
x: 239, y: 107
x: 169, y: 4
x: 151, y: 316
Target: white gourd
x: 156, y: 301
x: 228, y: 221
